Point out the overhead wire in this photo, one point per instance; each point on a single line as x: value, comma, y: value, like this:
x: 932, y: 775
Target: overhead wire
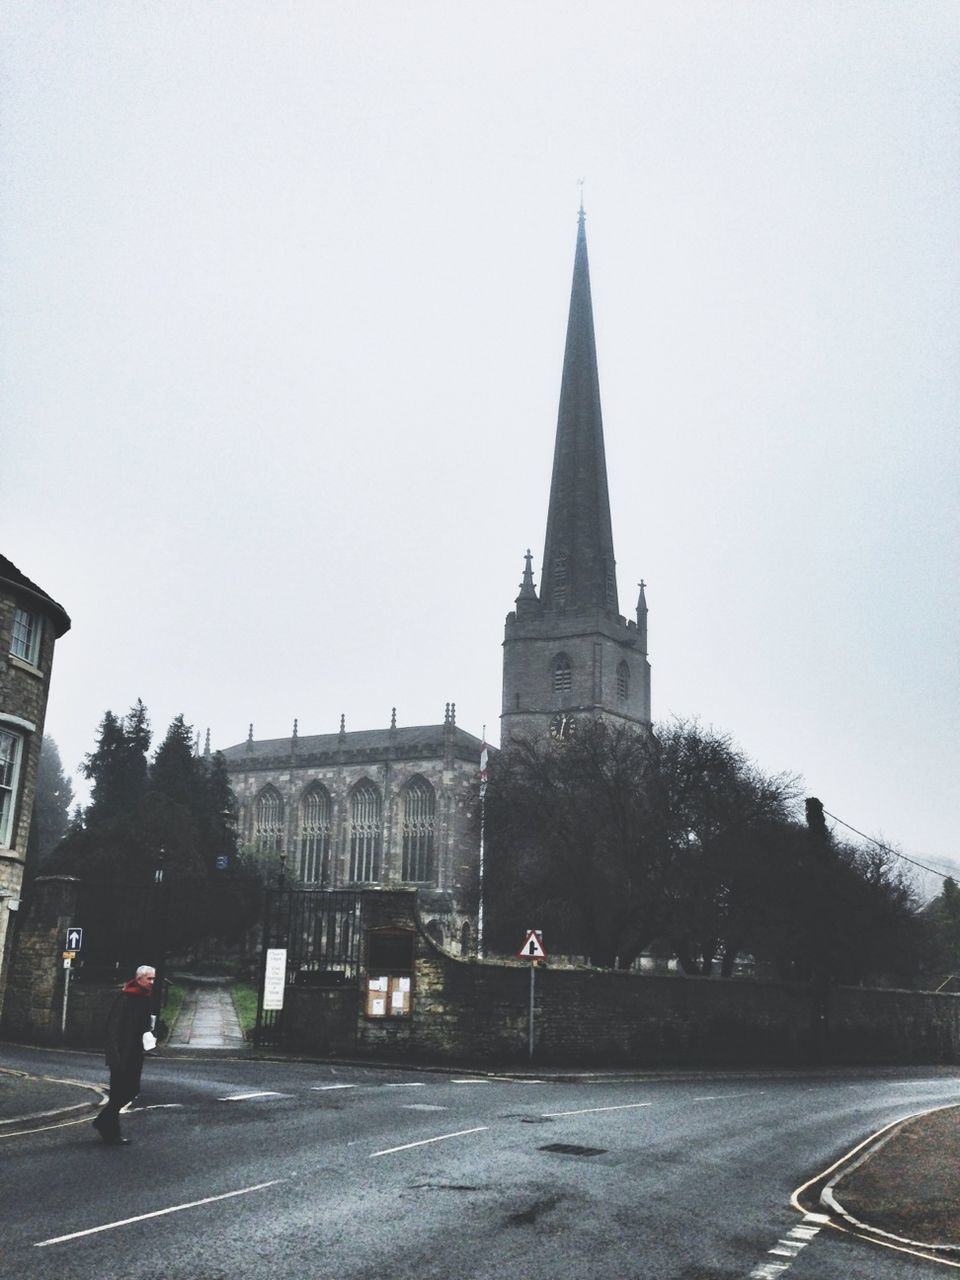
x: 944, y: 875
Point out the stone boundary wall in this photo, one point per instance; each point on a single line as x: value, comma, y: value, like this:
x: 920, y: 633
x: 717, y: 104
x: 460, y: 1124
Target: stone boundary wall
x: 469, y: 1011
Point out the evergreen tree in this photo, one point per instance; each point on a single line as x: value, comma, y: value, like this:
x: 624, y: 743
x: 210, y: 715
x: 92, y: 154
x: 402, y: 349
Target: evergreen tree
x: 51, y: 808
x: 942, y: 918
x: 111, y: 845
x: 174, y: 815
x: 118, y: 766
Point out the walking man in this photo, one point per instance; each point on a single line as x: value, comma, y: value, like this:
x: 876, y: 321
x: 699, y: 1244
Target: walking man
x: 129, y: 1019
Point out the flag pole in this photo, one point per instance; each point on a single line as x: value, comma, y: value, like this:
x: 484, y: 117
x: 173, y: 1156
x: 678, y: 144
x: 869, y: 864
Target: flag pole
x: 483, y: 815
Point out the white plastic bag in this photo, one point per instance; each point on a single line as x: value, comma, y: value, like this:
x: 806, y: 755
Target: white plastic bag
x: 149, y: 1041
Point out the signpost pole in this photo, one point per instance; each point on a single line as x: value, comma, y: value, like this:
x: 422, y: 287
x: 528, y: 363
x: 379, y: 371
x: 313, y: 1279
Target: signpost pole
x: 67, y: 965
x: 533, y: 970
x: 533, y: 951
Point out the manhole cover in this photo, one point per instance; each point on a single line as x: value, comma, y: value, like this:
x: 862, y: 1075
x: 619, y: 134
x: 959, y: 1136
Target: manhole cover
x: 570, y: 1149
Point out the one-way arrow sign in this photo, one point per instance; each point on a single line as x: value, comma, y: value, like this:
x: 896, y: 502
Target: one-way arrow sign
x: 74, y: 939
x: 532, y: 948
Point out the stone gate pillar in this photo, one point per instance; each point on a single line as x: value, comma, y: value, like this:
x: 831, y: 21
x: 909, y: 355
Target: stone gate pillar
x: 33, y: 1003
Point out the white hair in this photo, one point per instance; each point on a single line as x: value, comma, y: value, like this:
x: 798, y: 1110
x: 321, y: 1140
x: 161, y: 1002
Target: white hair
x: 145, y: 968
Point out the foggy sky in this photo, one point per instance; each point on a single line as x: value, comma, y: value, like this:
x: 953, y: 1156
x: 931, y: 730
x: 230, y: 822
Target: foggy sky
x: 284, y: 290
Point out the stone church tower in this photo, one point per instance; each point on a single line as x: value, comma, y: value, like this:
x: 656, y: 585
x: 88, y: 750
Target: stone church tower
x: 568, y: 654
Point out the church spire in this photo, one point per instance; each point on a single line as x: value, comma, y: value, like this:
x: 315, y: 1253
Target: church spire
x: 578, y: 563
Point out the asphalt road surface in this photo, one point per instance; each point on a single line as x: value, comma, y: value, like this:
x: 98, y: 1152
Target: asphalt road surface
x: 304, y: 1171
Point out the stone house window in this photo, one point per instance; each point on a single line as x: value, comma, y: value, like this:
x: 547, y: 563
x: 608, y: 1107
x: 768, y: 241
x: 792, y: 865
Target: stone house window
x: 25, y: 637
x: 562, y: 675
x: 418, y: 822
x: 11, y: 745
x: 268, y: 833
x: 366, y: 833
x: 314, y: 834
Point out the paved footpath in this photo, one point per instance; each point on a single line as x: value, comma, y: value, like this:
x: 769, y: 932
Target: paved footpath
x: 207, y: 1020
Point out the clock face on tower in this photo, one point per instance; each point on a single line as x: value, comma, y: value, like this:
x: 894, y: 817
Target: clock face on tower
x: 562, y: 726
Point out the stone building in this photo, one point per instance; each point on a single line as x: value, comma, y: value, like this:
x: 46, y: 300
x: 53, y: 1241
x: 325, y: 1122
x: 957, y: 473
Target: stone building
x: 395, y: 807
x: 568, y: 654
x: 390, y: 807
x: 30, y: 625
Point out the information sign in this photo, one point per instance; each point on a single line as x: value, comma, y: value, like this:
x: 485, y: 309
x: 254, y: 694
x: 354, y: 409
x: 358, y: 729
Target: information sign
x: 274, y: 978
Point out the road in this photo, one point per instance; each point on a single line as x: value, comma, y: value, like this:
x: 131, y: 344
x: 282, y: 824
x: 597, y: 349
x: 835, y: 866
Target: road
x: 304, y: 1171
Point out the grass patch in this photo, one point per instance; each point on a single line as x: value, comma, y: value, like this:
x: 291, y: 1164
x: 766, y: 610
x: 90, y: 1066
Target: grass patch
x: 176, y: 993
x: 244, y: 996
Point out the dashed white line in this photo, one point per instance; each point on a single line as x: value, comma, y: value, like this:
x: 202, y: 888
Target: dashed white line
x: 425, y: 1142
x: 627, y: 1106
x: 262, y: 1093
x: 789, y: 1246
x: 404, y: 1084
x: 726, y: 1097
x: 322, y: 1088
x: 469, y: 1081
x: 157, y: 1213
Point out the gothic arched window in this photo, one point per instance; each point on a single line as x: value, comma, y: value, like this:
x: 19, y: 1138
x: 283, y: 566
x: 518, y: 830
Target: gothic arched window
x: 562, y: 675
x: 418, y: 820
x: 268, y: 832
x: 623, y: 682
x: 366, y: 832
x: 314, y: 834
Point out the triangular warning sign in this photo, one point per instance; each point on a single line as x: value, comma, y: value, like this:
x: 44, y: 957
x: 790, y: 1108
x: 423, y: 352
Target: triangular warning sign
x: 532, y: 948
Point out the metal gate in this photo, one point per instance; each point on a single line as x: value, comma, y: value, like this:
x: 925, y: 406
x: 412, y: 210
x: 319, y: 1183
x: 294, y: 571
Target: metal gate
x: 320, y: 931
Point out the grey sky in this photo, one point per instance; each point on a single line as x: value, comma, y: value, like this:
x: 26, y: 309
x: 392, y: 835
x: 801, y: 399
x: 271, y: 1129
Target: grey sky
x: 283, y: 299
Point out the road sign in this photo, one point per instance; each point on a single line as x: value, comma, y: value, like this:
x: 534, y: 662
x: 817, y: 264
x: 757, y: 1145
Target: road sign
x: 69, y: 955
x: 67, y: 962
x: 532, y: 948
x: 74, y: 939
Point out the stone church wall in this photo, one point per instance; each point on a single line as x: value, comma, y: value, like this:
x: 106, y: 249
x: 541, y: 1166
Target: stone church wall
x: 454, y: 782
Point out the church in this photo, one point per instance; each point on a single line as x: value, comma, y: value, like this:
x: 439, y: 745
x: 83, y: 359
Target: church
x: 397, y: 806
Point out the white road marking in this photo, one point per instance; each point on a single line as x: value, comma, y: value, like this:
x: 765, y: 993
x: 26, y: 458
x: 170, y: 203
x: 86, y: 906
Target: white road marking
x: 157, y: 1213
x: 789, y: 1246
x: 425, y: 1142
x: 44, y: 1128
x: 320, y: 1088
x: 725, y: 1097
x: 56, y: 1111
x: 469, y: 1081
x: 404, y: 1084
x: 159, y: 1106
x: 263, y: 1093
x: 423, y: 1106
x: 627, y: 1106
